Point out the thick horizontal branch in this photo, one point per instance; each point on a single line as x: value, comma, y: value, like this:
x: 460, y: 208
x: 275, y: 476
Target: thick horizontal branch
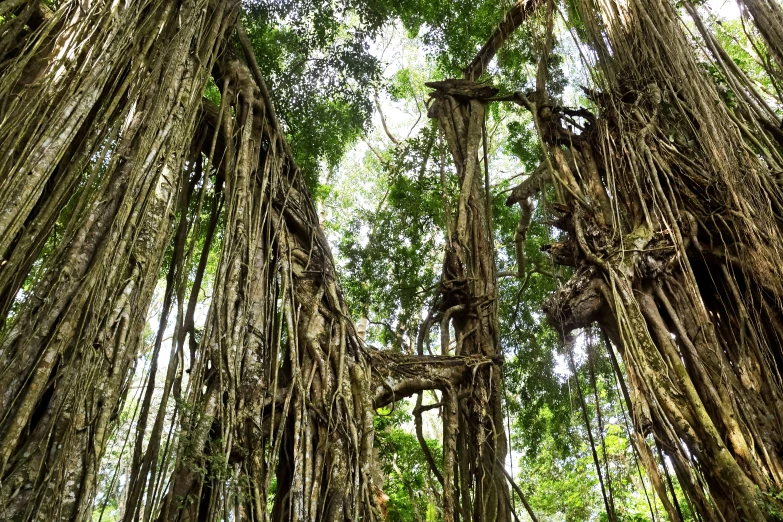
x: 396, y: 376
x: 534, y: 183
x: 462, y: 89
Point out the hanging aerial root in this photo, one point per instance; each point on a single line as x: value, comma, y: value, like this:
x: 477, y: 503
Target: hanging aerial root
x: 67, y: 355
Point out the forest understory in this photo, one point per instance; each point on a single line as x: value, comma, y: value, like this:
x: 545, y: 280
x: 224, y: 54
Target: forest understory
x: 400, y: 260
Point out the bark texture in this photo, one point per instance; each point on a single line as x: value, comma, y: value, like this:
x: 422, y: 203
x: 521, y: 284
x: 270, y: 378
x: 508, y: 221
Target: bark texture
x: 670, y: 203
x: 104, y: 129
x: 65, y: 357
x: 668, y: 200
x: 283, y: 391
x: 474, y: 482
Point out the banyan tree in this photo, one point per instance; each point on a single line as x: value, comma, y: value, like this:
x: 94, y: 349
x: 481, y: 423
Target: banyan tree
x: 140, y: 148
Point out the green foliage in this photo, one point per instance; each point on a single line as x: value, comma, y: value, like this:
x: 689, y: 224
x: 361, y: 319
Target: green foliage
x: 770, y: 502
x: 316, y: 61
x: 212, y: 92
x: 408, y: 481
x: 522, y: 143
x: 451, y: 32
x: 739, y: 44
x: 558, y: 466
x: 392, y: 254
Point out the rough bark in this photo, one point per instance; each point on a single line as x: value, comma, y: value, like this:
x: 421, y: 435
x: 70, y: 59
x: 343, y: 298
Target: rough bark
x: 99, y: 124
x: 468, y: 301
x: 673, y: 222
x: 283, y: 391
x: 66, y: 356
x: 671, y: 214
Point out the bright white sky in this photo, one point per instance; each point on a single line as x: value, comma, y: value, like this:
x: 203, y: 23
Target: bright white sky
x: 727, y: 9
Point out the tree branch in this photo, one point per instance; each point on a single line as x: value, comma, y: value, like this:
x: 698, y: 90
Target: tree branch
x: 519, y: 492
x: 397, y: 376
x: 383, y: 121
x: 513, y: 19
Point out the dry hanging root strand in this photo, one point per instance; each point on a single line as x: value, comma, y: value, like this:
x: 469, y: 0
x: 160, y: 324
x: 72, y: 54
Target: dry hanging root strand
x: 65, y: 95
x: 66, y: 355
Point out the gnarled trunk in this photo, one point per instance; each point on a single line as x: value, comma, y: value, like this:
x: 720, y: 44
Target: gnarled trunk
x: 67, y: 353
x: 673, y: 227
x: 284, y: 392
x: 475, y: 444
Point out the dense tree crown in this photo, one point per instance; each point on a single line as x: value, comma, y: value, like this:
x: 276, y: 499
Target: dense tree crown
x: 404, y: 260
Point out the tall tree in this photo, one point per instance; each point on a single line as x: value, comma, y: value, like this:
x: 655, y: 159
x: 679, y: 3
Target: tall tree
x: 121, y: 122
x: 289, y: 400
x: 65, y: 359
x: 689, y: 298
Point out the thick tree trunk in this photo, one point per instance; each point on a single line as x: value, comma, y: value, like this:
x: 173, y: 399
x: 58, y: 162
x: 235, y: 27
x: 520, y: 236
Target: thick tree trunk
x: 66, y: 356
x: 468, y: 299
x: 284, y: 392
x: 674, y: 231
x: 62, y: 100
